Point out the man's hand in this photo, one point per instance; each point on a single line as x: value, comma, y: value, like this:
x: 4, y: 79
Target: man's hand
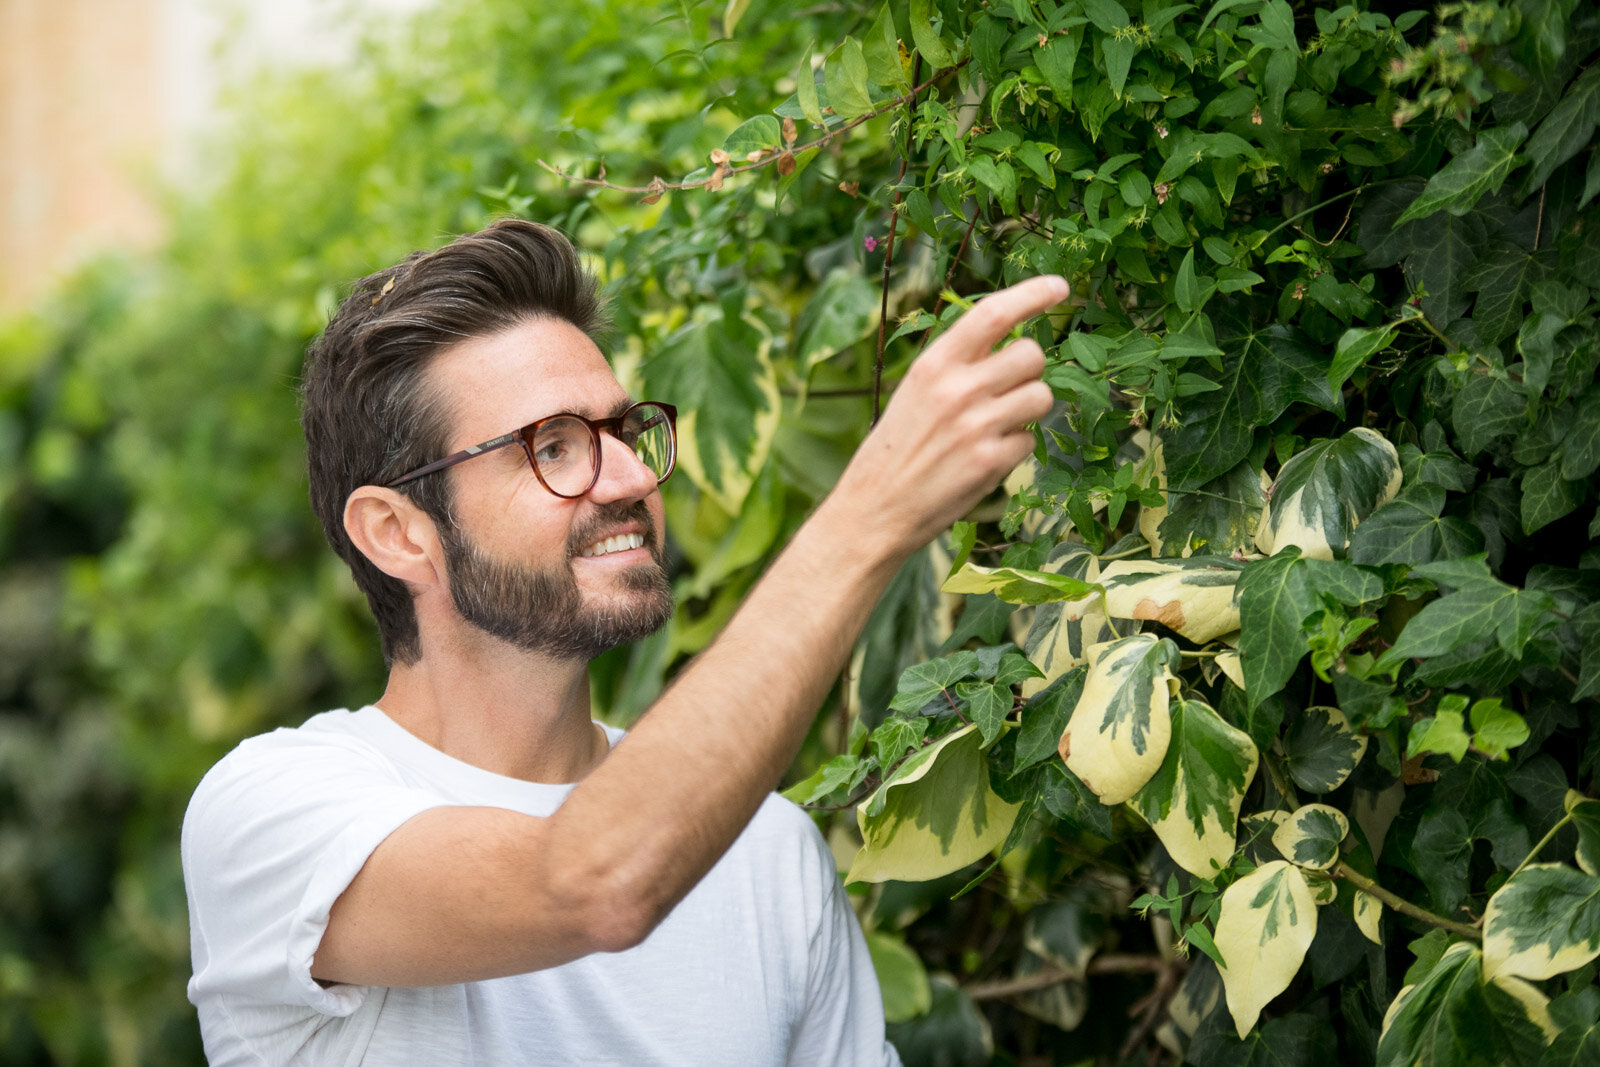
x: 957, y: 423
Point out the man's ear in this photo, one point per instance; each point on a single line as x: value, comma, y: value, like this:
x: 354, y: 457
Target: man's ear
x: 398, y: 537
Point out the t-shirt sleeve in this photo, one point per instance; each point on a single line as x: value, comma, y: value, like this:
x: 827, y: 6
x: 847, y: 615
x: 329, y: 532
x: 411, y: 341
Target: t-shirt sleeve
x: 273, y: 835
x: 843, y: 1019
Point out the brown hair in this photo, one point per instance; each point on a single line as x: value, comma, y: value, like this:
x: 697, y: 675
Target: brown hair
x: 365, y: 406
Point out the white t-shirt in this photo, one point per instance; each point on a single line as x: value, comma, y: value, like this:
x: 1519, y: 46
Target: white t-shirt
x: 762, y: 962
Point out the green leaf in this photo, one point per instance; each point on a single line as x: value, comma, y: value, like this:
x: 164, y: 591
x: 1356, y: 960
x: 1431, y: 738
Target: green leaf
x: 1056, y: 60
x: 842, y: 311
x: 1471, y: 175
x: 1444, y: 733
x: 845, y: 75
x: 1108, y: 16
x: 881, y: 50
x: 1119, y: 53
x: 1586, y: 627
x: 1477, y: 610
x: 1274, y: 600
x: 1578, y: 1015
x: 1496, y: 729
x: 1453, y: 1016
x: 902, y: 979
x: 1502, y: 279
x: 1565, y: 131
x: 718, y: 370
x: 1119, y: 731
x: 1310, y: 836
x: 1485, y: 409
x: 1325, y: 490
x: 760, y: 134
x: 1543, y: 922
x: 1263, y: 373
x: 1221, y: 517
x: 1267, y: 923
x: 1585, y: 814
x: 1192, y: 802
x: 988, y: 705
x: 1444, y: 250
x: 922, y: 682
x: 1044, y: 718
x: 1320, y: 750
x: 927, y: 41
x: 1547, y: 496
x: 1193, y: 597
x: 806, y: 90
x: 1355, y: 347
x: 892, y: 737
x: 1410, y: 530
x: 934, y: 815
x: 1017, y: 585
x: 1580, y: 447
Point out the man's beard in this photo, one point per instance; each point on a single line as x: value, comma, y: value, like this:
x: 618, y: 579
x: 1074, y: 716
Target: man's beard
x: 541, y: 609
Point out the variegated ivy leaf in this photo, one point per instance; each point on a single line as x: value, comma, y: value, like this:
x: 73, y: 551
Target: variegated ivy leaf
x: 1118, y: 733
x: 1453, y: 1016
x: 1228, y: 663
x: 1016, y: 585
x: 1323, y: 889
x: 1543, y: 922
x: 1585, y: 814
x: 1367, y: 910
x: 1193, y: 597
x: 934, y: 815
x: 1325, y: 490
x: 718, y: 369
x: 1310, y: 837
x: 1320, y: 749
x: 1255, y: 835
x: 1062, y: 631
x: 1267, y: 923
x: 1193, y: 801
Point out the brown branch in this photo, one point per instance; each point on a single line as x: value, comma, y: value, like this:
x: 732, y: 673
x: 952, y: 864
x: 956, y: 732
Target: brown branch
x: 1032, y: 983
x: 657, y: 186
x: 1400, y: 904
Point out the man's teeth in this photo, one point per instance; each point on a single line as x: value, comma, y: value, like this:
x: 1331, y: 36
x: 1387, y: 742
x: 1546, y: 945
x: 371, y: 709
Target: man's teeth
x: 619, y: 543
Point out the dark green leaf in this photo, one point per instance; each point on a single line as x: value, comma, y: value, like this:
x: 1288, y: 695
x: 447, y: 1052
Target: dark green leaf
x: 1546, y: 496
x: 927, y: 681
x: 1045, y: 716
x: 1320, y: 750
x: 1566, y: 130
x: 1220, y: 518
x: 1471, y: 175
x: 1485, y: 409
x: 1274, y: 599
x: 1263, y: 374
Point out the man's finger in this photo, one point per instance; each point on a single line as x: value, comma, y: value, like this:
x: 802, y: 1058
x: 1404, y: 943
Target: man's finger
x: 976, y: 333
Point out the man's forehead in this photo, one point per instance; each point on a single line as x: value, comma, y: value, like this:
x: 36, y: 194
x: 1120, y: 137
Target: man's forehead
x: 534, y: 369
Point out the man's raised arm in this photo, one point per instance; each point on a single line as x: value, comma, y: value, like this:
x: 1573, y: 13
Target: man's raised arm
x: 459, y: 894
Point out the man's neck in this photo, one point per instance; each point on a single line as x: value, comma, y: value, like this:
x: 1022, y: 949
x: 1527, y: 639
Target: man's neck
x: 515, y: 713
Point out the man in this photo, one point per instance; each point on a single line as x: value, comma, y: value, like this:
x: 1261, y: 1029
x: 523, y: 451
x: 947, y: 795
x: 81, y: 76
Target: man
x: 471, y: 870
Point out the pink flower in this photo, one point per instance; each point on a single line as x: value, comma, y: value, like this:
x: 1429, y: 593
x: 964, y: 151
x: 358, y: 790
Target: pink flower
x: 871, y: 243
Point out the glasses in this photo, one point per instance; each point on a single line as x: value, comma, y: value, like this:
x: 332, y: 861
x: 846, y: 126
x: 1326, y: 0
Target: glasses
x: 564, y: 449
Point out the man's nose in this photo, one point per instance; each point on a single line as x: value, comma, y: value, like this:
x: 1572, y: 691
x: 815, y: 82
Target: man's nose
x: 623, y: 475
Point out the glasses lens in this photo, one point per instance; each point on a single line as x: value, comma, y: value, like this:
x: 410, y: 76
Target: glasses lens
x: 648, y: 432
x: 563, y: 453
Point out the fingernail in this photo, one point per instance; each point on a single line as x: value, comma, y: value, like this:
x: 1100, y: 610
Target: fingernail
x: 1061, y: 286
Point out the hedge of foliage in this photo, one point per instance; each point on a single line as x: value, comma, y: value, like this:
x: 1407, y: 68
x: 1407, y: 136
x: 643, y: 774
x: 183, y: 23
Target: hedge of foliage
x: 1250, y: 724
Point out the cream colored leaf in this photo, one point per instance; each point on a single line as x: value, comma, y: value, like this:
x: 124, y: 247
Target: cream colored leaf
x: 1267, y: 924
x: 1368, y: 913
x: 1228, y: 663
x: 1544, y: 921
x: 1061, y: 633
x: 1310, y: 837
x: 934, y: 815
x: 1325, y: 490
x: 1194, y: 597
x: 1120, y: 728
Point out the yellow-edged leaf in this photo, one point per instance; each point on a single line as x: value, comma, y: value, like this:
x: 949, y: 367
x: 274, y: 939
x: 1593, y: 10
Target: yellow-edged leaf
x: 1194, y: 597
x: 1192, y: 802
x: 1118, y: 733
x: 1325, y: 490
x: 1310, y: 837
x: 934, y: 815
x: 1543, y: 922
x: 1367, y: 911
x: 1268, y: 922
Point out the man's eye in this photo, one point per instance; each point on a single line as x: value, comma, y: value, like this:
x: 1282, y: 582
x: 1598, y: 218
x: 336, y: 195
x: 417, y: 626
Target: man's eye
x: 550, y: 453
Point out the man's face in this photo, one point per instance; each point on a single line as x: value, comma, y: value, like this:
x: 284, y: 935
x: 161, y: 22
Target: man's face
x: 547, y: 574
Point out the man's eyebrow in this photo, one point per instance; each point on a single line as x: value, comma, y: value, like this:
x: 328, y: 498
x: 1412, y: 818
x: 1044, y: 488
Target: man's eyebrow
x: 620, y: 406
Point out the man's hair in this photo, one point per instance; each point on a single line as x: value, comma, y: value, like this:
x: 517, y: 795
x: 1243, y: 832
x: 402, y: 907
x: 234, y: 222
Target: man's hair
x: 368, y: 414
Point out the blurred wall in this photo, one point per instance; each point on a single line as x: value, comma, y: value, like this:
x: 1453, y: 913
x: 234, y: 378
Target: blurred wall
x: 101, y: 102
x: 80, y: 110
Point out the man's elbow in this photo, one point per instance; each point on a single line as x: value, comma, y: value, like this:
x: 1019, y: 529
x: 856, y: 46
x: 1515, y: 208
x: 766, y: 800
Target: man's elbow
x: 616, y: 909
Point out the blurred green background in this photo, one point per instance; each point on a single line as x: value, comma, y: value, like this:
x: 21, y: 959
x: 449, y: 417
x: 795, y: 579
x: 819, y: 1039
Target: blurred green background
x: 164, y: 589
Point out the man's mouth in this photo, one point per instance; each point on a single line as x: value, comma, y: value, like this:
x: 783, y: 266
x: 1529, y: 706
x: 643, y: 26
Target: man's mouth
x: 617, y: 543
